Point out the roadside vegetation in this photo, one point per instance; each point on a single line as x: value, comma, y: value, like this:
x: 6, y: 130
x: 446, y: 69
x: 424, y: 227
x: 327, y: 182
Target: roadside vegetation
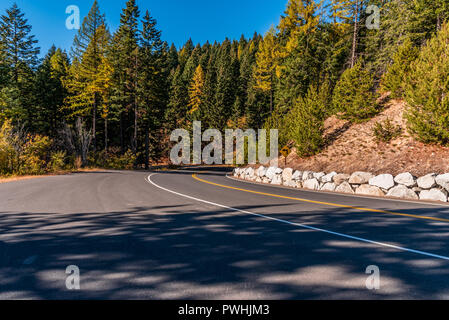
x: 114, y: 98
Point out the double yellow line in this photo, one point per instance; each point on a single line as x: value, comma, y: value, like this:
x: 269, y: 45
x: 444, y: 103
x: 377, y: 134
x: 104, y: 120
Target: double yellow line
x: 195, y: 176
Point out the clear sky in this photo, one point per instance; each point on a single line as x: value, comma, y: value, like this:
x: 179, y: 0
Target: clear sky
x: 179, y: 20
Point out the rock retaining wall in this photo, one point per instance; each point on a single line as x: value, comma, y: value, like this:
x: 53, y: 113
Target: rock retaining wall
x: 404, y: 186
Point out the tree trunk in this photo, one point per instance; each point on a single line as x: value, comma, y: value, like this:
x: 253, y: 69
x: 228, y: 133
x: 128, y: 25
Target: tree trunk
x: 94, y: 124
x: 355, y: 36
x: 122, y: 146
x: 106, y: 135
x: 147, y: 147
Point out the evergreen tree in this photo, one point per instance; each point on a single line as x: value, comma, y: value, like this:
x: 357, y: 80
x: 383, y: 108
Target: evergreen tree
x: 87, y: 32
x: 353, y: 95
x: 20, y: 59
x: 305, y: 122
x: 395, y: 79
x: 427, y: 91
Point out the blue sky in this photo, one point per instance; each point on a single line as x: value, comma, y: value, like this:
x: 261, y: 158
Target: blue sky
x: 178, y: 19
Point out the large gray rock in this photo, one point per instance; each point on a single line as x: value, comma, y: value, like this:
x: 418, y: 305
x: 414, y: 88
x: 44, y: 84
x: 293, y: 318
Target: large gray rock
x: 345, y: 187
x: 383, y: 181
x: 287, y: 175
x: 277, y: 180
x: 360, y: 177
x: 319, y: 175
x: 405, y: 179
x: 369, y: 190
x: 278, y: 171
x: 443, y: 181
x: 236, y: 172
x: 427, y: 182
x: 434, y: 195
x: 297, y: 175
x: 311, y: 184
x: 249, y: 172
x: 271, y: 172
x: 261, y: 172
x: 307, y: 175
x: 329, y: 187
x: 401, y: 191
x: 340, y: 178
x: 290, y: 183
x: 328, y: 177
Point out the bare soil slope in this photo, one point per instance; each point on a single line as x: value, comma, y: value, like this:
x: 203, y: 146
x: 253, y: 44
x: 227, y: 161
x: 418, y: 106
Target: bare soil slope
x: 353, y: 148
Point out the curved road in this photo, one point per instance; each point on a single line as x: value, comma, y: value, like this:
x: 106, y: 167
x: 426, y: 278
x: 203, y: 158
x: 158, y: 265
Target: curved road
x: 200, y: 235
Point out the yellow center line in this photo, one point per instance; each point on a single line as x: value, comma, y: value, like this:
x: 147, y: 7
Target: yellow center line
x: 320, y: 202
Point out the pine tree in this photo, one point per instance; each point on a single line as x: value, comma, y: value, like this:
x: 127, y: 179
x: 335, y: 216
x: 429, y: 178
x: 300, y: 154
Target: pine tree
x: 20, y: 56
x: 83, y: 82
x: 305, y: 122
x: 125, y: 53
x: 86, y: 33
x: 196, y: 92
x: 395, y: 79
x: 49, y: 92
x: 353, y: 95
x: 266, y: 66
x: 153, y: 82
x: 427, y: 91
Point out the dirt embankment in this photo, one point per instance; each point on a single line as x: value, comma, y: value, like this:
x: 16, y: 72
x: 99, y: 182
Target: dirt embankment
x: 354, y: 147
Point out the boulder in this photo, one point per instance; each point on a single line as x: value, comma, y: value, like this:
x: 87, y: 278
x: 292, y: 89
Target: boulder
x: 266, y: 180
x: 287, y: 175
x: 236, y: 172
x: 271, y: 172
x: 329, y: 187
x: 360, y: 177
x: 384, y: 181
x: 249, y: 172
x: 259, y: 180
x: 277, y: 180
x: 369, y: 190
x: 405, y: 179
x: 307, y: 175
x: 261, y: 172
x: 319, y: 175
x: 289, y: 183
x: 443, y: 181
x: 340, y: 178
x: 278, y: 171
x: 401, y: 191
x: 427, y: 182
x: 297, y: 175
x: 328, y: 177
x: 345, y: 187
x: 434, y: 195
x: 311, y: 184
x: 299, y: 184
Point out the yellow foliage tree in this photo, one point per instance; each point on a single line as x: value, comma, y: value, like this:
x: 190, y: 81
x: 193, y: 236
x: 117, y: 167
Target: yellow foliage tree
x: 196, y: 90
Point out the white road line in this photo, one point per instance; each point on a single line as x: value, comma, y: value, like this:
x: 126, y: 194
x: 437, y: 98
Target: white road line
x: 299, y: 224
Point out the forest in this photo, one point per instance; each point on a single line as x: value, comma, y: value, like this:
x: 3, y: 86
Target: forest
x: 113, y: 99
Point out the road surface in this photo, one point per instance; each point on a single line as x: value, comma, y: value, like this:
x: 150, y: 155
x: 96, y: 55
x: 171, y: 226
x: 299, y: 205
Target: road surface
x: 201, y: 235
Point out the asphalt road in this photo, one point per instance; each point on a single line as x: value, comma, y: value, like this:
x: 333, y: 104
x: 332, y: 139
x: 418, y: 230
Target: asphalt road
x: 171, y: 235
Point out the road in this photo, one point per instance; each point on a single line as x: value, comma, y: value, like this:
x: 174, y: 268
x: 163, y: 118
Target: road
x: 201, y: 235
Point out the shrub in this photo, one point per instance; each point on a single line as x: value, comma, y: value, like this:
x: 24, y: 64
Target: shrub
x: 427, y: 91
x: 353, y: 95
x: 35, y: 155
x: 57, y: 161
x: 386, y: 131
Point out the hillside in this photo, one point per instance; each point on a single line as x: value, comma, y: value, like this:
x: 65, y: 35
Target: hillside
x: 353, y: 148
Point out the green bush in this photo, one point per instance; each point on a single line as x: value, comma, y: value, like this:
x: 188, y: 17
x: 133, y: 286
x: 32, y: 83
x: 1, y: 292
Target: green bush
x: 57, y: 161
x: 35, y: 155
x: 427, y: 91
x: 353, y: 95
x: 8, y: 156
x: 386, y: 131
